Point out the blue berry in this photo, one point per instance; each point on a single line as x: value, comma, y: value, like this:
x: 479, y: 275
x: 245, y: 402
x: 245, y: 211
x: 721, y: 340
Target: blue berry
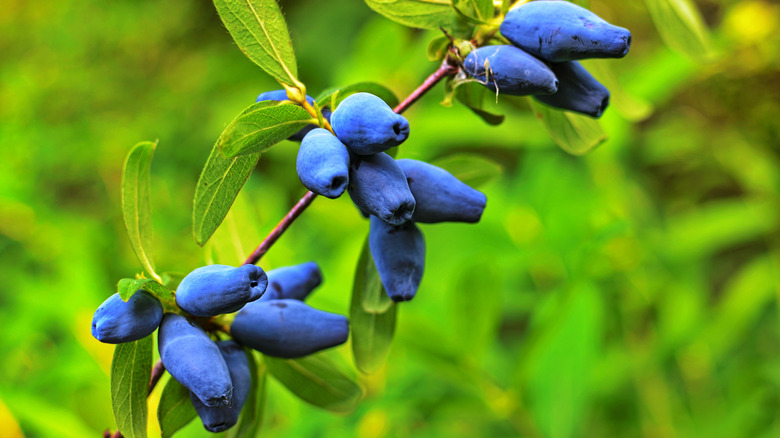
x: 280, y: 95
x: 558, y: 31
x: 323, y: 163
x: 510, y: 70
x: 294, y: 282
x: 117, y: 321
x: 216, y: 289
x: 220, y: 418
x: 288, y: 328
x: 367, y: 125
x: 194, y: 360
x: 399, y: 256
x: 578, y: 90
x: 378, y: 187
x: 441, y: 197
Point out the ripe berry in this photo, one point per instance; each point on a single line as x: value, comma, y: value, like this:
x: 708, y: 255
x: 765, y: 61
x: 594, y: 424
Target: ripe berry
x: 294, y: 282
x: 216, y: 289
x: 399, y: 256
x: 220, y: 418
x: 510, y: 70
x: 558, y: 31
x: 194, y: 360
x: 367, y: 125
x: 117, y: 321
x: 378, y: 187
x: 578, y: 90
x: 323, y: 163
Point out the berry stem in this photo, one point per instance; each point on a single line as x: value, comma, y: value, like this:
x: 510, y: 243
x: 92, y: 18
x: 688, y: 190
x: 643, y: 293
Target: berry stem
x: 444, y: 70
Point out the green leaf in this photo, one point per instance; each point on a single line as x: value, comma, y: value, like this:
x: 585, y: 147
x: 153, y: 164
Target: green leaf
x: 367, y: 283
x: 175, y: 410
x: 472, y: 94
x: 219, y: 183
x: 332, y: 97
x: 316, y: 380
x: 574, y: 133
x: 682, y: 28
x: 438, y: 48
x: 136, y: 203
x: 480, y: 11
x: 128, y: 286
x: 474, y: 170
x: 252, y: 413
x: 423, y: 14
x: 130, y: 372
x: 372, y: 316
x: 261, y: 126
x: 259, y: 29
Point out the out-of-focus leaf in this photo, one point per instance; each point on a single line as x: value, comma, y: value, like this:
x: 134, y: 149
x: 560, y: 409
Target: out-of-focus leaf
x: 259, y: 29
x: 175, y: 409
x: 480, y: 11
x: 474, y: 170
x: 574, y: 133
x: 219, y: 183
x: 136, y: 203
x: 130, y: 371
x: 631, y: 107
x: 372, y: 316
x: 261, y: 126
x: 437, y: 48
x: 682, y: 28
x: 316, y: 380
x: 332, y: 97
x: 423, y: 14
x: 472, y: 94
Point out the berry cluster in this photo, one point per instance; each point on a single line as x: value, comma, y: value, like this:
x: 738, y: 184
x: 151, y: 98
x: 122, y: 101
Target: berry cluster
x: 271, y: 319
x: 548, y: 37
x: 395, y: 194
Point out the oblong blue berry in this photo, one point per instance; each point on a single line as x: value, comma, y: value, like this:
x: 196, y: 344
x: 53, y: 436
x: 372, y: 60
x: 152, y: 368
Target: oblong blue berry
x: 294, y: 282
x: 323, y: 163
x: 367, y: 125
x: 280, y: 95
x: 194, y: 360
x: 441, y: 197
x: 578, y: 91
x: 220, y: 418
x: 558, y: 31
x: 399, y: 256
x: 117, y: 321
x: 216, y: 289
x: 288, y: 328
x: 510, y: 70
x: 378, y: 187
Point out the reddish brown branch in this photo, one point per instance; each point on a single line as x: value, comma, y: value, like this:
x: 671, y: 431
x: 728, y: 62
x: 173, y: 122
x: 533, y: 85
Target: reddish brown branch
x: 446, y: 69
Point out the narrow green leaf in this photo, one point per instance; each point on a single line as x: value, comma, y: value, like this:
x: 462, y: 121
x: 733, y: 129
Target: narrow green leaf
x: 423, y: 14
x: 480, y: 11
x: 332, y: 97
x: 252, y: 413
x: 472, y: 94
x: 128, y: 286
x: 175, y: 410
x: 259, y: 29
x: 474, y: 170
x: 316, y: 380
x: 574, y: 133
x: 136, y: 203
x: 130, y: 372
x: 367, y: 283
x: 261, y: 126
x: 682, y: 28
x: 372, y: 316
x: 438, y: 48
x: 219, y: 183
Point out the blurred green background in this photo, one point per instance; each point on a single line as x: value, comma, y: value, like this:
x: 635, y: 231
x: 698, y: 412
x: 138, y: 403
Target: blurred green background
x: 630, y: 292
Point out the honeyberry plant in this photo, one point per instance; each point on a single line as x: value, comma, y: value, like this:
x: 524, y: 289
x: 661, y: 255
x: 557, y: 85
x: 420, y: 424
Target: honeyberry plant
x: 222, y: 328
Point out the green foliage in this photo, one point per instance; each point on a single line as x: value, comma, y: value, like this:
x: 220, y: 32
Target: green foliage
x: 316, y: 380
x: 128, y: 286
x: 219, y: 183
x: 473, y: 169
x: 261, y: 126
x: 130, y: 371
x: 332, y: 97
x: 422, y: 14
x: 481, y: 11
x: 574, y: 133
x: 680, y: 24
x: 175, y: 409
x: 260, y: 31
x: 372, y: 316
x: 251, y: 418
x: 136, y: 203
